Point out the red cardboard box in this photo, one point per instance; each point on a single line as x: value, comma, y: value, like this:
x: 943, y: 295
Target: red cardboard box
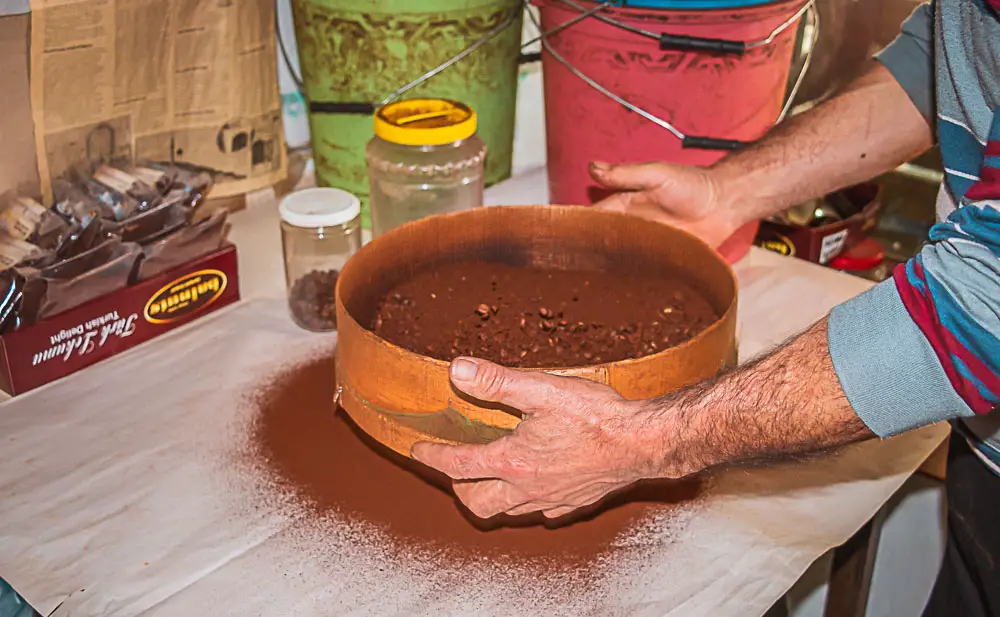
x: 67, y: 342
x: 822, y: 244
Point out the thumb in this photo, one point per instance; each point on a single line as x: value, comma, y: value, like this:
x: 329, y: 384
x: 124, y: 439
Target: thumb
x: 629, y: 177
x: 529, y: 391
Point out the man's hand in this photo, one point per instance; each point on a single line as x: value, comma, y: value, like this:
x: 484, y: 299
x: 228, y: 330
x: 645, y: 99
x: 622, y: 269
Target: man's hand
x: 690, y: 198
x: 868, y: 129
x: 578, y: 442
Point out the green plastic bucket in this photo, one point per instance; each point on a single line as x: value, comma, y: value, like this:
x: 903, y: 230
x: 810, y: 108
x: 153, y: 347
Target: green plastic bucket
x: 356, y: 52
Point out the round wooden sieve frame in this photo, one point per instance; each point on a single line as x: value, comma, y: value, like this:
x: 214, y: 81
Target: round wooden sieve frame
x: 400, y: 397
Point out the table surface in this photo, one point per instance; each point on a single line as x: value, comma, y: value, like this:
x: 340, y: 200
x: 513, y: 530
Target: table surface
x: 779, y: 296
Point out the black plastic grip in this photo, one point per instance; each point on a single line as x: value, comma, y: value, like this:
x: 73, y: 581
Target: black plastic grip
x: 327, y: 107
x: 697, y: 43
x: 711, y: 143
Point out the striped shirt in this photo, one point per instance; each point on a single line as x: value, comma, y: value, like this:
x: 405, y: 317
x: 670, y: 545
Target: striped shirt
x: 924, y: 346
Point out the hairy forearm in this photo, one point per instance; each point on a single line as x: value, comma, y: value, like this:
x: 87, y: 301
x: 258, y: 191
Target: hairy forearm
x: 788, y: 403
x: 870, y: 128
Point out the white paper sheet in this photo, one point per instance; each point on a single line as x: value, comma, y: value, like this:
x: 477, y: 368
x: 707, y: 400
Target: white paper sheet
x: 118, y: 495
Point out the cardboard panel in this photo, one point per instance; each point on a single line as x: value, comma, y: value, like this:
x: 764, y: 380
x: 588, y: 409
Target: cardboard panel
x: 73, y: 340
x: 18, y: 168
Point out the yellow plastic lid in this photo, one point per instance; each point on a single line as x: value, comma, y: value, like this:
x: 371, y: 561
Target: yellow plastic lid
x: 425, y: 122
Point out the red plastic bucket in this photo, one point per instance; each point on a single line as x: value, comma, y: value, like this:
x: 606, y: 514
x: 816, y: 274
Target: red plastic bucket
x: 727, y: 96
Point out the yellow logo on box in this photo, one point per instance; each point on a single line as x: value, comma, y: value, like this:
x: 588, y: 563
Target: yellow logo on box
x: 185, y: 296
x: 779, y: 244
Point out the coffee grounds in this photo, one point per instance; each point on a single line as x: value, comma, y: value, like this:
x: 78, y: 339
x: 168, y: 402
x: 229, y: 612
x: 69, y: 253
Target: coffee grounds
x: 334, y: 469
x: 312, y: 300
x: 529, y: 317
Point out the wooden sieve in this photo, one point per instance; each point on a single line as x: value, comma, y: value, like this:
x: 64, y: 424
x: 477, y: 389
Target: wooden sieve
x: 400, y: 397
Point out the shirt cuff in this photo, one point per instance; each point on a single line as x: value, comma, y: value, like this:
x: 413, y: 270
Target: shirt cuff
x: 886, y: 367
x: 910, y: 59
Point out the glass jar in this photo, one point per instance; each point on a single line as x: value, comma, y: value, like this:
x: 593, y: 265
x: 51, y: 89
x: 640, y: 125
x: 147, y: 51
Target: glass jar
x: 425, y: 159
x: 320, y: 230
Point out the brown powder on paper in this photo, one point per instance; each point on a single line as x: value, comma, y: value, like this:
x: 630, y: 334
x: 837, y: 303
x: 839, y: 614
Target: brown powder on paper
x: 334, y: 470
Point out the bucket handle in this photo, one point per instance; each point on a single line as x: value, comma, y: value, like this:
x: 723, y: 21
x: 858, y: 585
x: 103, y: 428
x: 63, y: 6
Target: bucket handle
x: 368, y: 109
x: 682, y: 42
x: 697, y: 43
x: 699, y: 142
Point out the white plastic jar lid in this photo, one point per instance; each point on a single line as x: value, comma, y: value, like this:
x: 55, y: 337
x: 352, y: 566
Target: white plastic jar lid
x: 319, y: 207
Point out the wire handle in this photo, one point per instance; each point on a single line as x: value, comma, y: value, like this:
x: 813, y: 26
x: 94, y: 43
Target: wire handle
x: 333, y: 107
x: 701, y: 44
x: 695, y: 142
x: 365, y: 108
x: 696, y: 43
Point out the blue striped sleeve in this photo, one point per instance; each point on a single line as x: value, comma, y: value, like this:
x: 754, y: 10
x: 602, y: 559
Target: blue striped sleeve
x: 910, y: 59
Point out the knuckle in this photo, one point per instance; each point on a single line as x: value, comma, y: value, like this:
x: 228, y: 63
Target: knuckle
x: 480, y: 509
x: 480, y: 498
x: 465, y: 493
x: 515, y: 467
x: 461, y: 466
x: 469, y: 463
x: 494, y: 380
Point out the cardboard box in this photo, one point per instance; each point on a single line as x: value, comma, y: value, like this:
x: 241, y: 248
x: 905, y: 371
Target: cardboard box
x: 822, y: 244
x: 18, y: 167
x: 65, y: 343
x: 18, y: 146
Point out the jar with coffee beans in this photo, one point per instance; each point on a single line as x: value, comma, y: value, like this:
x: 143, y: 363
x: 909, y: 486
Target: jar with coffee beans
x: 320, y: 230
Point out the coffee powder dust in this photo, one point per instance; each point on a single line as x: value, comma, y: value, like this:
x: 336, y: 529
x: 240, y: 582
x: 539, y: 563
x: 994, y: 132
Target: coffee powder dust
x: 530, y: 317
x: 333, y: 469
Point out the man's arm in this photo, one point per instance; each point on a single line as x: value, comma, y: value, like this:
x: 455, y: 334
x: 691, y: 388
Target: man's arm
x: 879, y: 121
x: 925, y: 345
x: 581, y: 441
x: 919, y: 348
x: 788, y: 403
x: 870, y: 128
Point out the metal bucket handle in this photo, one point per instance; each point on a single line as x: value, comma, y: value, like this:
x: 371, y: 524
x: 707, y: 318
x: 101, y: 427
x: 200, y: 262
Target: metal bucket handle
x: 666, y: 41
x: 697, y: 43
x: 688, y: 43
x: 366, y: 108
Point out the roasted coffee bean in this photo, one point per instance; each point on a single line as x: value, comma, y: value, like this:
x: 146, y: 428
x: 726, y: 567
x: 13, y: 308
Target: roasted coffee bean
x: 609, y: 324
x: 312, y: 300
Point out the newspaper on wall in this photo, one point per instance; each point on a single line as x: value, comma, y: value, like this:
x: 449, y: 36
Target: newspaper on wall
x: 183, y: 81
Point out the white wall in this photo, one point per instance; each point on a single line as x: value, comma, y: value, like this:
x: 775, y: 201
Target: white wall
x: 293, y: 106
x: 529, y: 127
